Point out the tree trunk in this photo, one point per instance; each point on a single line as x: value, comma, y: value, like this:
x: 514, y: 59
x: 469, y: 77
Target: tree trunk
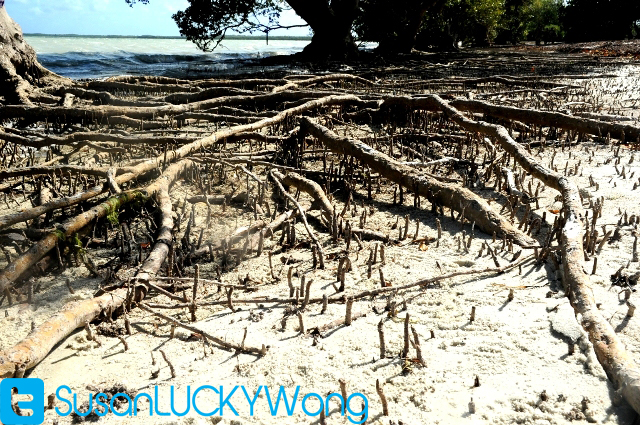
x: 407, y: 30
x: 20, y: 70
x: 331, y: 25
x: 402, y: 23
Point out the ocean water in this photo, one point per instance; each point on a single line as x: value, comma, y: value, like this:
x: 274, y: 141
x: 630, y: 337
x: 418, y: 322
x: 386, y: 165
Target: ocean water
x: 98, y: 57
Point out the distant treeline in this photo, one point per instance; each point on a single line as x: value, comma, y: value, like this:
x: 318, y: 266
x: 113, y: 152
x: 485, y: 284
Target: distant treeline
x: 228, y: 37
x: 481, y: 22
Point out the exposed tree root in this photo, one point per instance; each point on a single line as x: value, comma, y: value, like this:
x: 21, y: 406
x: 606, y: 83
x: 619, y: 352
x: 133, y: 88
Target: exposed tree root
x: 20, y: 70
x: 317, y: 193
x: 596, y: 127
x: 35, y: 347
x: 611, y: 353
x: 239, y: 348
x: 151, y: 132
x: 104, y: 111
x: 438, y: 193
x: 68, y: 229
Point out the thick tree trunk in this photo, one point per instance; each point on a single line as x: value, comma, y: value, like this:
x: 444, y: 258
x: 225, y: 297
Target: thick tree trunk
x: 331, y: 25
x: 20, y: 70
x: 407, y: 30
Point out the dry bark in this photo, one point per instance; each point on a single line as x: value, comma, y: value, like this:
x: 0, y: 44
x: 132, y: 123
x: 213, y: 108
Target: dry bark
x: 20, y: 70
x: 35, y: 347
x: 551, y: 119
x: 438, y: 192
x: 610, y: 351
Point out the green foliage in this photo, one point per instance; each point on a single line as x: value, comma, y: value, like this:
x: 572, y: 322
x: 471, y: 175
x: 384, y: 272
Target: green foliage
x: 542, y: 20
x: 512, y: 26
x: 77, y: 244
x: 76, y: 241
x: 587, y: 20
x: 535, y: 20
x: 474, y: 22
x: 112, y: 205
x: 394, y: 25
x: 205, y: 22
x: 112, y: 216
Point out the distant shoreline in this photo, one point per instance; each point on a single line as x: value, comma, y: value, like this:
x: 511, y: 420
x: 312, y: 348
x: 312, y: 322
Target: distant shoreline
x: 229, y: 37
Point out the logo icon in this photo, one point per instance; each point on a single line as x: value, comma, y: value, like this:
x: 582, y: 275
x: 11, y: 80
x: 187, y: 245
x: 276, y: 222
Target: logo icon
x: 25, y: 386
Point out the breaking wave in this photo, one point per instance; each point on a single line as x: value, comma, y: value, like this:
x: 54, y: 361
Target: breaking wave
x: 78, y: 57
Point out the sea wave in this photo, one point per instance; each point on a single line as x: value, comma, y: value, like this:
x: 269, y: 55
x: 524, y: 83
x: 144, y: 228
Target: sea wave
x: 79, y: 58
x: 79, y: 65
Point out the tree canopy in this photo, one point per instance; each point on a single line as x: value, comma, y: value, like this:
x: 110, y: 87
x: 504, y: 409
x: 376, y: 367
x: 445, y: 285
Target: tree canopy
x: 206, y: 22
x: 394, y: 25
x: 589, y: 20
x: 398, y: 25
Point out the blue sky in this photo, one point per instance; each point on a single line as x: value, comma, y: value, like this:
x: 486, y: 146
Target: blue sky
x: 109, y: 17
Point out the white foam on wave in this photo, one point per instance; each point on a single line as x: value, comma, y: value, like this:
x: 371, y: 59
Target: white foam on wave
x: 95, y: 57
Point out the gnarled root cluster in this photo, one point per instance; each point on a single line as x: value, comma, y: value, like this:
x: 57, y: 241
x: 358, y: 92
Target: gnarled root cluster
x: 105, y: 151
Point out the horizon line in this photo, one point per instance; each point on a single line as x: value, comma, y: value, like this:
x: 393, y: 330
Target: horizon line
x: 172, y: 37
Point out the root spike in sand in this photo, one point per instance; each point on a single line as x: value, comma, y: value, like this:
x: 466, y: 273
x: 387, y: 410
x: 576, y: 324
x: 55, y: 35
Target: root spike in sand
x: 164, y: 194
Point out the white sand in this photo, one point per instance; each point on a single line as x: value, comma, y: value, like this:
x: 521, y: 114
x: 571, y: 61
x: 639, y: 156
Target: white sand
x: 518, y: 349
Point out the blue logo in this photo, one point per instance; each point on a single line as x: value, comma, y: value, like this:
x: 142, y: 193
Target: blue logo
x: 25, y: 386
